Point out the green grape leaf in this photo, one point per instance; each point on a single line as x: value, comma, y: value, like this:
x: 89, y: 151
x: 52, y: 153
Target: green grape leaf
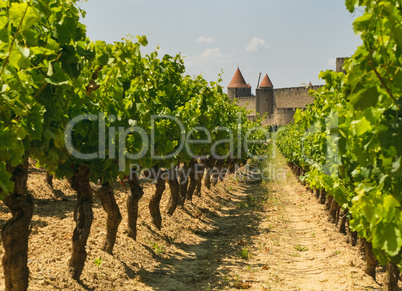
x: 362, y: 22
x: 3, y: 21
x: 25, y: 51
x: 368, y: 97
x: 28, y: 15
x: 388, y: 238
x: 396, y: 165
x: 361, y: 126
x: 58, y: 77
x: 31, y: 18
x: 350, y: 5
x: 17, y: 59
x: 16, y: 11
x: 41, y: 51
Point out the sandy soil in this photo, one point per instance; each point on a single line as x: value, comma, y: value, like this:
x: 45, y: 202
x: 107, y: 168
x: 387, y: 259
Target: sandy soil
x: 269, y: 236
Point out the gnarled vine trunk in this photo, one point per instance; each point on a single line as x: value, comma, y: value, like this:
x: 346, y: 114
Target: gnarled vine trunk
x: 217, y: 172
x: 207, y: 177
x: 342, y: 222
x: 316, y: 192
x: 391, y: 277
x: 209, y: 163
x: 352, y: 235
x: 224, y: 172
x: 83, y: 217
x: 184, y: 179
x: 15, y: 232
x: 136, y: 193
x: 200, y: 176
x: 333, y: 211
x: 194, y: 171
x: 232, y: 166
x: 106, y: 196
x: 338, y: 214
x: 328, y: 202
x: 323, y: 196
x: 154, y: 203
x: 371, y: 261
x: 49, y: 180
x: 174, y: 191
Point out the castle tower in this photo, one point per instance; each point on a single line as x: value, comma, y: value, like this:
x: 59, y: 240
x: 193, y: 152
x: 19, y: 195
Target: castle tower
x: 339, y: 65
x: 265, y: 97
x: 238, y: 86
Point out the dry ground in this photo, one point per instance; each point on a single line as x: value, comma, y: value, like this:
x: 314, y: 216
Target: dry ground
x: 269, y: 236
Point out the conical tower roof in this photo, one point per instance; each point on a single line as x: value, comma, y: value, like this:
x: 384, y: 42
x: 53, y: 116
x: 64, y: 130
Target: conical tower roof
x: 310, y: 85
x: 238, y: 81
x: 266, y: 82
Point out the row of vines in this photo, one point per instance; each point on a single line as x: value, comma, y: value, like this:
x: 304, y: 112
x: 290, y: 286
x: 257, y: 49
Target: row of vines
x: 348, y: 143
x: 129, y: 108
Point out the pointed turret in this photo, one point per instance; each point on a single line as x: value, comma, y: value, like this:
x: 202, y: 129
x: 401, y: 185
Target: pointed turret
x: 265, y: 97
x: 238, y: 81
x: 266, y: 82
x: 238, y: 87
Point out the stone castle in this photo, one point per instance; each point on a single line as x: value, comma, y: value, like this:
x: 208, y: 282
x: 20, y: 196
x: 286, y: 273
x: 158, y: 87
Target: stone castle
x: 279, y: 105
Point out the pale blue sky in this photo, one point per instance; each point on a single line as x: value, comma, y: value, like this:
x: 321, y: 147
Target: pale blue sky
x: 291, y: 40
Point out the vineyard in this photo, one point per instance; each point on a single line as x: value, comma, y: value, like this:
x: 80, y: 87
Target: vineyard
x: 347, y: 145
x: 92, y: 125
x: 95, y: 112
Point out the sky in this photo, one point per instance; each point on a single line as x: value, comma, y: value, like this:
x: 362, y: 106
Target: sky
x: 290, y: 40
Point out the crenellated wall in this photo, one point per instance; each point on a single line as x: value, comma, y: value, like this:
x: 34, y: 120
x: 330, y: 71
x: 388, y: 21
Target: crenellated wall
x: 295, y: 97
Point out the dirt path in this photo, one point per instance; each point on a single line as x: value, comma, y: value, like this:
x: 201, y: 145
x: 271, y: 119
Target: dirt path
x: 274, y: 236
x: 238, y: 235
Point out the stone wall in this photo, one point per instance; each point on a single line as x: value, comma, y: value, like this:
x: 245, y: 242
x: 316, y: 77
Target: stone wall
x: 238, y: 92
x: 295, y: 97
x: 283, y: 116
x: 339, y: 65
x: 279, y: 118
x: 248, y: 102
x: 267, y: 121
x: 285, y: 101
x: 265, y: 100
x: 264, y: 121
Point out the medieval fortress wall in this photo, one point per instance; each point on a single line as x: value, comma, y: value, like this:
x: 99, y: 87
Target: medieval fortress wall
x: 277, y: 105
x: 295, y: 97
x: 249, y: 103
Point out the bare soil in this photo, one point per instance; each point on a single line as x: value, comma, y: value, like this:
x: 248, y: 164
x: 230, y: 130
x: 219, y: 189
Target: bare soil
x: 267, y: 236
